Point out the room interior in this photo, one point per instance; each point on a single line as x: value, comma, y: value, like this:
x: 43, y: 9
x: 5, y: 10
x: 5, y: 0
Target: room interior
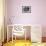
x: 27, y: 17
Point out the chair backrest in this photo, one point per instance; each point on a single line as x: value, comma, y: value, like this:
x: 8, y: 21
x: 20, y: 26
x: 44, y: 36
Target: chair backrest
x: 18, y: 30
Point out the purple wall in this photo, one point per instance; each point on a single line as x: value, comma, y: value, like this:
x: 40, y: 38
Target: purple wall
x: 37, y: 15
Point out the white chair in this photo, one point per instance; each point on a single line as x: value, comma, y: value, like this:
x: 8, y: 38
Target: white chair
x: 17, y: 31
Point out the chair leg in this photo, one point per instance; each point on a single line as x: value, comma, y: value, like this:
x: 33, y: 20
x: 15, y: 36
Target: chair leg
x: 12, y: 36
x: 2, y: 44
x: 25, y: 36
x: 15, y: 38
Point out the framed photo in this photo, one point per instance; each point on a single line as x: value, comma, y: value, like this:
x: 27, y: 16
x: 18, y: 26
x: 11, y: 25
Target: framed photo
x: 26, y: 9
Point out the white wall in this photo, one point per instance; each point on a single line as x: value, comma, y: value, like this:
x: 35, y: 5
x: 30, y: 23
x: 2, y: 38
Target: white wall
x: 37, y: 15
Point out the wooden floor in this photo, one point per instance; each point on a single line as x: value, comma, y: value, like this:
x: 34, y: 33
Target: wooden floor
x: 18, y: 43
x: 23, y: 43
